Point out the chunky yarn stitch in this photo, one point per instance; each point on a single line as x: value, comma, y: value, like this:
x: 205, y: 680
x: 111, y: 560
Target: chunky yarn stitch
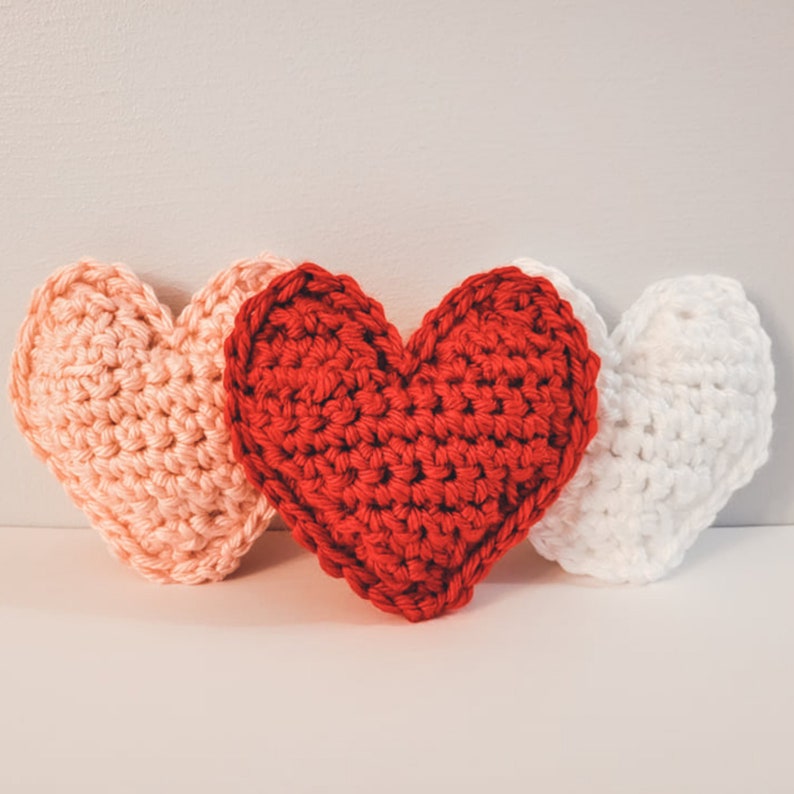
x: 410, y: 469
x: 686, y: 394
x: 126, y: 407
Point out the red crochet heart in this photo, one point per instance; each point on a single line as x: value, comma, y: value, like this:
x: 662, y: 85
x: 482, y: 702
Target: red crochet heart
x: 410, y: 469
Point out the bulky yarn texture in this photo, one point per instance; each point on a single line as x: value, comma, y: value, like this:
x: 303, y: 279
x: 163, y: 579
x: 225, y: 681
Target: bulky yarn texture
x: 686, y: 394
x: 410, y: 468
x: 125, y: 405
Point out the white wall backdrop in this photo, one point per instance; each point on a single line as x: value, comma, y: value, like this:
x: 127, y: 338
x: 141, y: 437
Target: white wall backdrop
x: 410, y: 144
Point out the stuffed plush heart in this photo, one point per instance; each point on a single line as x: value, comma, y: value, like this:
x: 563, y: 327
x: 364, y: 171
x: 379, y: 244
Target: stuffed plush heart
x: 410, y: 469
x: 126, y: 406
x: 686, y: 393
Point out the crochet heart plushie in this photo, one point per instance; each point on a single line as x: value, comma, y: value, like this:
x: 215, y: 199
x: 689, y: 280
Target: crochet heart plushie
x: 686, y: 394
x: 126, y: 406
x: 410, y: 468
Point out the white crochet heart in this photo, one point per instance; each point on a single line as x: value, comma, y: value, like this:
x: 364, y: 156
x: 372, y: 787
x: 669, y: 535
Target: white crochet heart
x: 686, y: 394
x: 126, y: 406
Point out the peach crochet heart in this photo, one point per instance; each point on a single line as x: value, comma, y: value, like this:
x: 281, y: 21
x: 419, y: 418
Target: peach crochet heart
x: 685, y: 401
x: 125, y: 404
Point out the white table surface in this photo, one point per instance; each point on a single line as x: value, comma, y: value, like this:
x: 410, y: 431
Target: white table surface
x: 281, y: 680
